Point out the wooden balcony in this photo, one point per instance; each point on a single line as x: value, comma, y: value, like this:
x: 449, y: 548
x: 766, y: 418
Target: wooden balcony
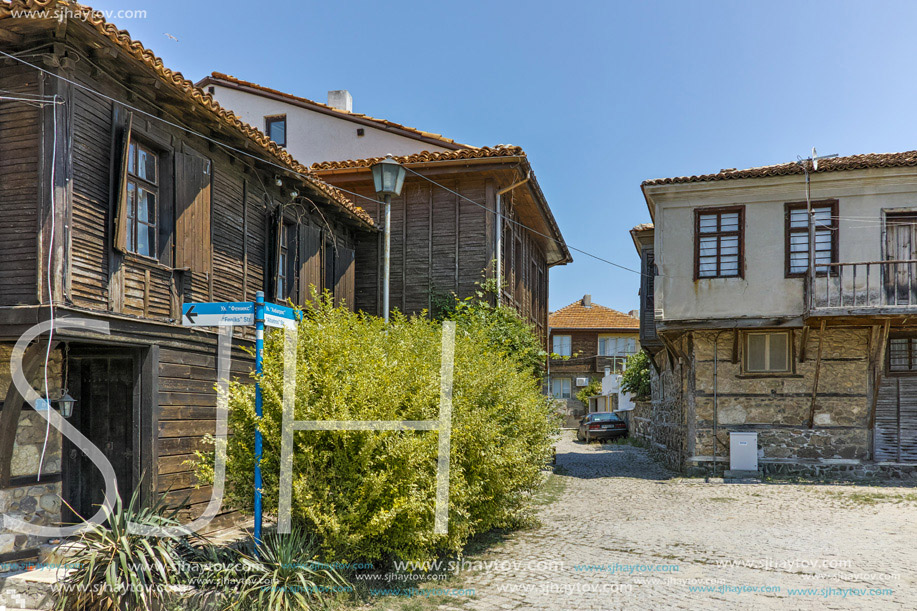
x: 875, y: 288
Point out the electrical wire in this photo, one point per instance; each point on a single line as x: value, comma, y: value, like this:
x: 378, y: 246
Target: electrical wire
x: 282, y: 167
x: 44, y: 447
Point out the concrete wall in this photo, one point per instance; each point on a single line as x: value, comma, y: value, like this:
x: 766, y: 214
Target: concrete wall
x: 313, y: 136
x: 863, y: 198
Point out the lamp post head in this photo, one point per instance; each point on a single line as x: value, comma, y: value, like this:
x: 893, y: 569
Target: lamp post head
x: 388, y: 176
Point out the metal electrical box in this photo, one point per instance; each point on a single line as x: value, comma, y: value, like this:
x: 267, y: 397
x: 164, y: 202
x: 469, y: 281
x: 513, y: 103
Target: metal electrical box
x: 743, y: 451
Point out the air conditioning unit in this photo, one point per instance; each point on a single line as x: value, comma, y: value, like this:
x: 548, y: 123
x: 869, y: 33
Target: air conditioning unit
x: 582, y: 381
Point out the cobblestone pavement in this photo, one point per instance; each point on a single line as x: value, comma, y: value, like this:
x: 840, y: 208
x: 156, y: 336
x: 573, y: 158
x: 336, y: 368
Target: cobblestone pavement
x: 627, y: 534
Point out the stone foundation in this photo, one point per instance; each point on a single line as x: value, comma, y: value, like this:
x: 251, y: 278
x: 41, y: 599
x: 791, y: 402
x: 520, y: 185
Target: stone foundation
x: 702, y: 392
x: 37, y: 502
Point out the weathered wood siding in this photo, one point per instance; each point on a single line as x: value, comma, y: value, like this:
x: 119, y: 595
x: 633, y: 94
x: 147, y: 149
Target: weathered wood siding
x: 20, y: 151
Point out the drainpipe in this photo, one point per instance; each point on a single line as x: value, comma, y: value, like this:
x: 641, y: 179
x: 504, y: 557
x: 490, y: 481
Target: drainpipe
x: 498, y: 233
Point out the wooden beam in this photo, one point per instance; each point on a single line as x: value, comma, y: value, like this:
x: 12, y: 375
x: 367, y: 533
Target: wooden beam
x: 821, y: 340
x: 11, y: 37
x: 803, y: 341
x: 735, y: 346
x: 12, y: 408
x: 878, y: 368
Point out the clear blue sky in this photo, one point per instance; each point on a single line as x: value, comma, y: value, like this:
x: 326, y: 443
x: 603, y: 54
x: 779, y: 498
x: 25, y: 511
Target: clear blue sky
x: 601, y: 95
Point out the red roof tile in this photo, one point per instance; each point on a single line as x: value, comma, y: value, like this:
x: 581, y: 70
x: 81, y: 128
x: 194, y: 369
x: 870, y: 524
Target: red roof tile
x: 578, y: 316
x: 193, y: 94
x: 851, y: 162
x: 216, y: 77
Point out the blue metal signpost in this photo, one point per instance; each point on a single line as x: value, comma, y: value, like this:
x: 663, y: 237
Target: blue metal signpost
x: 245, y: 313
x: 259, y: 366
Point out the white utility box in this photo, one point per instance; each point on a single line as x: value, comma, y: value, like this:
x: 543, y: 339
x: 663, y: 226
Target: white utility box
x: 743, y: 451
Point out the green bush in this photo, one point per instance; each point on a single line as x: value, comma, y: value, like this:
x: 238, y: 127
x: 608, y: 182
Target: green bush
x: 636, y: 376
x: 591, y: 390
x: 368, y: 494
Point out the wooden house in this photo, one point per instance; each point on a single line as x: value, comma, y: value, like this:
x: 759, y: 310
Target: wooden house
x: 462, y: 215
x: 125, y: 193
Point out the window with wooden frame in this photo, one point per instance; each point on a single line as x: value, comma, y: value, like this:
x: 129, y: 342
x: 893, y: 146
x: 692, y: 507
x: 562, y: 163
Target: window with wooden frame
x: 561, y: 388
x: 902, y: 355
x: 825, y: 223
x: 286, y: 244
x: 276, y: 128
x: 719, y: 242
x: 768, y: 352
x: 142, y: 193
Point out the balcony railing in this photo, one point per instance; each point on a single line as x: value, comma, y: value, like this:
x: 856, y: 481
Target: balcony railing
x: 863, y: 288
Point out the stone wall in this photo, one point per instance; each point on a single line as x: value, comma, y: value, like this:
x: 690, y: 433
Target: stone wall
x: 37, y: 502
x: 777, y: 407
x: 662, y: 421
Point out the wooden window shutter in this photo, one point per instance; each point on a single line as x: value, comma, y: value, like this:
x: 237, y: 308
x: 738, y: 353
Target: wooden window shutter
x: 123, y: 122
x: 192, y: 213
x: 344, y: 276
x: 276, y: 235
x: 310, y: 257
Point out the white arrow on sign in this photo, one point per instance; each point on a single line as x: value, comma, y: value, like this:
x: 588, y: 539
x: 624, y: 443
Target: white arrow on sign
x: 218, y: 314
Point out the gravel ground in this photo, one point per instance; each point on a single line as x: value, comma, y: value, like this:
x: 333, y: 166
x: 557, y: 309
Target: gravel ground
x: 627, y: 534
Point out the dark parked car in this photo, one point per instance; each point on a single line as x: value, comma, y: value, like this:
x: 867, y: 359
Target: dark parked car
x: 601, y: 425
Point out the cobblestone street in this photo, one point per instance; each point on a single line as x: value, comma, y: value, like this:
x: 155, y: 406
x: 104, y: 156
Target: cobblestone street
x: 627, y: 534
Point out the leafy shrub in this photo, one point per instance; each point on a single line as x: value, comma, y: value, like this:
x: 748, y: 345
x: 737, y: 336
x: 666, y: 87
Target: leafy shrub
x: 370, y: 494
x: 592, y: 389
x: 636, y: 377
x: 504, y: 328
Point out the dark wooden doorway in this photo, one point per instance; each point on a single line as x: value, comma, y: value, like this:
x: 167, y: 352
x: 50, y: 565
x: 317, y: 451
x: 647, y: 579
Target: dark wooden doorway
x: 103, y: 384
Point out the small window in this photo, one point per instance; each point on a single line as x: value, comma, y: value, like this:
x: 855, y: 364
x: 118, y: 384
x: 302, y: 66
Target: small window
x: 560, y: 388
x: 276, y: 129
x: 901, y: 354
x: 767, y: 352
x: 825, y: 223
x: 718, y: 242
x: 142, y: 199
x: 562, y: 345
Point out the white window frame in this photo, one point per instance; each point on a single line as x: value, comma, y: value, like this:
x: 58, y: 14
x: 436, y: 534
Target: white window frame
x: 767, y: 353
x: 569, y: 346
x: 569, y: 385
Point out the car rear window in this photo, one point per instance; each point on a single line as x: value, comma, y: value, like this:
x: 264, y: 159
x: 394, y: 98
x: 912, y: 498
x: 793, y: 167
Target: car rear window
x: 603, y: 417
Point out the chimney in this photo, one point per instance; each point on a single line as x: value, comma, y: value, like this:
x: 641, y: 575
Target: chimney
x: 340, y: 99
x: 587, y: 301
x: 634, y: 314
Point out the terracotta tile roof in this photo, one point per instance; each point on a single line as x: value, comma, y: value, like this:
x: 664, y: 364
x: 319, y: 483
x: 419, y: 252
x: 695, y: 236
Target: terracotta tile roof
x: 194, y: 95
x: 215, y: 77
x: 578, y: 316
x: 643, y: 227
x: 501, y: 150
x: 851, y: 162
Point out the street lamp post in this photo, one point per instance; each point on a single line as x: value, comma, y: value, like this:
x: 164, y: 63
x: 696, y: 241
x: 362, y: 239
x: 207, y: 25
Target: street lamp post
x: 388, y: 178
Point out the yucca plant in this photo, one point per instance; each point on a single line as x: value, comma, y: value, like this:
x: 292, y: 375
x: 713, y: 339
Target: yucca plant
x: 118, y: 570
x: 285, y: 575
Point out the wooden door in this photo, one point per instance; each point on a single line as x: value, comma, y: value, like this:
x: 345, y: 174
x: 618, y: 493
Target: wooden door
x: 103, y: 387
x: 901, y: 245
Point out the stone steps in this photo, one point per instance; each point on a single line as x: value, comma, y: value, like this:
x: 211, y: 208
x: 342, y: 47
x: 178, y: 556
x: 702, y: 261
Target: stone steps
x: 30, y: 590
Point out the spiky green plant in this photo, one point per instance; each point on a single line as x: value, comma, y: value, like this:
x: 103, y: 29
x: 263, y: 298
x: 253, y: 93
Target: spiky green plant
x: 285, y: 575
x: 118, y: 570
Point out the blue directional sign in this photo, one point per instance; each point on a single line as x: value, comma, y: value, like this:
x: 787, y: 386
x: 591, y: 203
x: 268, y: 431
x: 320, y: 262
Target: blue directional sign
x: 278, y: 315
x: 218, y: 314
